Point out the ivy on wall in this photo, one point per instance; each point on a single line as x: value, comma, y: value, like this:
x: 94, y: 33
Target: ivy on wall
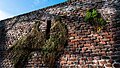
x: 94, y: 18
x: 36, y: 41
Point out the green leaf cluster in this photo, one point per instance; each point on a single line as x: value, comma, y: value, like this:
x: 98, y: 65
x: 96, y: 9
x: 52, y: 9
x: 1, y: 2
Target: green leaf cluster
x: 90, y: 14
x: 94, y: 18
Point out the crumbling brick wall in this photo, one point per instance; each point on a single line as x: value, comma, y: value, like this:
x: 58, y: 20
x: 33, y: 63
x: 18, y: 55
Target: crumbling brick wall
x: 86, y: 48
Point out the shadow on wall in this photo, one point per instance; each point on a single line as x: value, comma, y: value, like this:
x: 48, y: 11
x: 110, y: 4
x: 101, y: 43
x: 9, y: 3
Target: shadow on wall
x: 116, y: 36
x: 2, y: 42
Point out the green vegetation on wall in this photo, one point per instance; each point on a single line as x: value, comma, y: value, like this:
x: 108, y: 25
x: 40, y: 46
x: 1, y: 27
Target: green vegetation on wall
x: 94, y: 18
x: 36, y: 41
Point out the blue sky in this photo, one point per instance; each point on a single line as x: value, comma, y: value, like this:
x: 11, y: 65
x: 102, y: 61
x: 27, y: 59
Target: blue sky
x: 10, y: 8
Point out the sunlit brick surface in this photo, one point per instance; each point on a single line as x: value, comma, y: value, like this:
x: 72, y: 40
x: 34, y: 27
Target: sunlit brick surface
x: 86, y: 48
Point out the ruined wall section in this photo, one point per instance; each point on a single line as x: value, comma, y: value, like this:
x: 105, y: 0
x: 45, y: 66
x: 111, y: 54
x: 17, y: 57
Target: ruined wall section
x: 17, y: 27
x: 85, y: 49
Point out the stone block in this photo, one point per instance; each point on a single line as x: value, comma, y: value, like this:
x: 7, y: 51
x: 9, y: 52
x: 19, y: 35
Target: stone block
x: 71, y: 38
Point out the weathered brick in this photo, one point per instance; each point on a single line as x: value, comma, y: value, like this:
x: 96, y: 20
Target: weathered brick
x: 95, y: 35
x: 116, y: 65
x: 63, y: 59
x: 104, y: 39
x: 77, y: 37
x: 102, y: 42
x: 72, y: 58
x: 69, y: 62
x: 104, y: 33
x: 87, y: 33
x: 109, y: 36
x: 92, y: 48
x: 108, y: 65
x: 84, y: 49
x: 102, y: 62
x: 103, y: 53
x: 86, y: 39
x: 83, y: 58
x: 97, y: 47
x: 109, y: 53
x: 73, y: 41
x: 90, y: 58
x: 73, y: 49
x: 87, y: 45
x: 104, y: 50
x: 114, y: 57
x: 89, y: 62
x: 97, y: 40
x: 116, y: 45
x: 99, y: 37
x: 94, y: 54
x: 105, y: 57
x: 96, y: 58
x: 117, y: 42
x: 81, y: 62
x: 86, y: 54
x: 112, y: 42
x: 110, y: 61
x: 94, y: 66
x: 73, y: 35
x: 107, y: 46
x: 95, y: 62
x: 117, y: 52
x: 76, y: 43
x: 63, y: 62
x: 71, y: 38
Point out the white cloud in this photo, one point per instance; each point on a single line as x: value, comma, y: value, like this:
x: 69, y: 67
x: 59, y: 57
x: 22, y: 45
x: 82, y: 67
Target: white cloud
x: 4, y: 15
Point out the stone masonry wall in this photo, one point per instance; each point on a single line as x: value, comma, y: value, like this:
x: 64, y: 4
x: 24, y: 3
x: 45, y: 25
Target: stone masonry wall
x: 86, y: 48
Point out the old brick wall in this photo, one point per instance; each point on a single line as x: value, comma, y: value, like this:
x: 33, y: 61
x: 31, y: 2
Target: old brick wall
x: 86, y: 48
x: 15, y: 28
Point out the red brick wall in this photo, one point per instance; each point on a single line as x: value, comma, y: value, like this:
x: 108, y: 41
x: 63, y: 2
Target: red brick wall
x: 86, y: 48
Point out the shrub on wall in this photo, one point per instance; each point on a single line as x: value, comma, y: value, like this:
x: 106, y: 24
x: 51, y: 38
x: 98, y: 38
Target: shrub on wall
x: 94, y: 18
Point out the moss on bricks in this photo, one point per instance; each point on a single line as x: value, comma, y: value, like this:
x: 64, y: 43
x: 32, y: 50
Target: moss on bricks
x: 36, y: 41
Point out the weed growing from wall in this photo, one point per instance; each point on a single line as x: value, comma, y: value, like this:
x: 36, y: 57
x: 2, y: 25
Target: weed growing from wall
x: 94, y: 18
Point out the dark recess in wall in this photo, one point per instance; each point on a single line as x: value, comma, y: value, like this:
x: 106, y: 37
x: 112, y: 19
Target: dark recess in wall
x: 48, y: 29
